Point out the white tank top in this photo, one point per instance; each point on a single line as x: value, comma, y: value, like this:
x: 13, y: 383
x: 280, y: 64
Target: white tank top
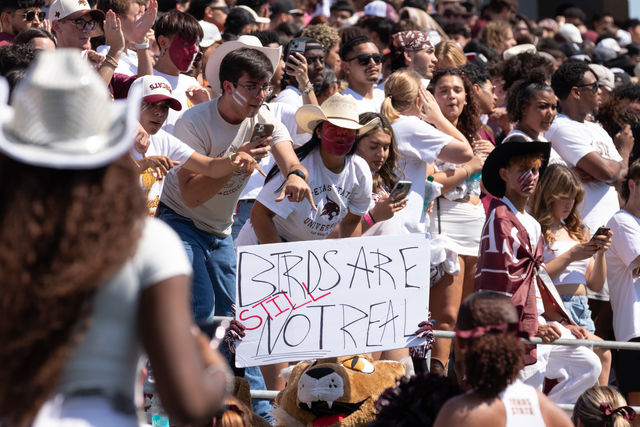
x: 522, y: 406
x: 575, y: 272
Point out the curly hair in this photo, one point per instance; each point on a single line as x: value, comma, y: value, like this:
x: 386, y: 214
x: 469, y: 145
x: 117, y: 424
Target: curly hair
x: 522, y: 92
x: 567, y: 76
x: 469, y: 119
x: 62, y: 233
x: 558, y: 182
x: 325, y: 34
x: 386, y: 175
x: 525, y: 66
x: 491, y: 361
x: 414, y: 401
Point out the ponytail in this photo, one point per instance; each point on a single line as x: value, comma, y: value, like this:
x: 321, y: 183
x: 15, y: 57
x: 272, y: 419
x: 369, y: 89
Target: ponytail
x: 388, y: 111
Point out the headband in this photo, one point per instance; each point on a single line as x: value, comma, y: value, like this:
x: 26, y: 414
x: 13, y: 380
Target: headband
x: 412, y: 40
x: 480, y: 331
x: 627, y: 412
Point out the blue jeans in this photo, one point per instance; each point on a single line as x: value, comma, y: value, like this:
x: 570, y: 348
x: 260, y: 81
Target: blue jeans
x: 241, y: 216
x: 577, y: 306
x: 213, y: 260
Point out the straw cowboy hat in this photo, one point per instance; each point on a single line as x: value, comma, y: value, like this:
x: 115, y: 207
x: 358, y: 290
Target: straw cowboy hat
x: 499, y: 157
x: 212, y: 70
x: 62, y: 117
x: 339, y: 110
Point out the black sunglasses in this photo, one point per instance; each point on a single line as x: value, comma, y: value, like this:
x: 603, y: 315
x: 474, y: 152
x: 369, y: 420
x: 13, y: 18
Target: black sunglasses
x: 223, y: 9
x: 365, y: 59
x: 31, y: 15
x: 596, y: 86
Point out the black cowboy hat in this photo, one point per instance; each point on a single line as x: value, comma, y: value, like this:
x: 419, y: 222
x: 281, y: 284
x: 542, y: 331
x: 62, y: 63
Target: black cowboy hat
x: 499, y: 157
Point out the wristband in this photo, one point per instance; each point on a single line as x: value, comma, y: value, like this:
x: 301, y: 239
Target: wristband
x: 142, y: 46
x: 369, y: 220
x: 308, y: 90
x: 299, y: 173
x: 110, y: 60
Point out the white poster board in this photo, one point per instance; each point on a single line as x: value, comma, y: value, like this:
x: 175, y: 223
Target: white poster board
x: 325, y: 298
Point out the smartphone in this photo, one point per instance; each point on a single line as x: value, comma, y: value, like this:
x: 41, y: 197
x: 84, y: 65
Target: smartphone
x: 400, y: 190
x: 261, y: 131
x: 601, y: 231
x: 296, y: 45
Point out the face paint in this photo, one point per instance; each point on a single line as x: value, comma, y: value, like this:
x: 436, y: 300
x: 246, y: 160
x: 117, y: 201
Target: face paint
x: 239, y: 98
x: 528, y: 180
x: 336, y: 140
x: 182, y: 52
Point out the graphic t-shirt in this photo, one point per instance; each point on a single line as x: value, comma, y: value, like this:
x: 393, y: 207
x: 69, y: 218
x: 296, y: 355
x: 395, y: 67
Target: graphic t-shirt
x: 335, y: 195
x: 162, y: 144
x: 203, y: 129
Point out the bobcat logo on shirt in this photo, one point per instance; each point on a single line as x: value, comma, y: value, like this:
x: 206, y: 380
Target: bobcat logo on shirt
x: 330, y: 209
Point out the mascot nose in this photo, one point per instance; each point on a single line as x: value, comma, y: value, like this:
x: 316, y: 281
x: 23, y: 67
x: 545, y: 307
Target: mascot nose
x: 318, y: 373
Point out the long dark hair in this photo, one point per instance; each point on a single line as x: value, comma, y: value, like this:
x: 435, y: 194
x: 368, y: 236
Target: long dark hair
x: 304, y: 150
x: 62, y: 233
x: 386, y: 176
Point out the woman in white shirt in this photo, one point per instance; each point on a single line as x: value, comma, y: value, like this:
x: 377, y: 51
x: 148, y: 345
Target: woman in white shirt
x: 411, y: 109
x: 340, y: 182
x: 568, y: 252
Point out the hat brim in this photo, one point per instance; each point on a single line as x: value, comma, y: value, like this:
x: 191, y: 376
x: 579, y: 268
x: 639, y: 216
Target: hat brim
x: 174, y: 103
x: 500, y: 156
x: 112, y: 145
x: 96, y: 14
x: 309, y: 116
x: 212, y: 70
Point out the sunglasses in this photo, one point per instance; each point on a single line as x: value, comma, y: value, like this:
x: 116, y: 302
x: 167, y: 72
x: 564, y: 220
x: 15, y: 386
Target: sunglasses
x: 31, y: 15
x: 223, y: 9
x: 594, y: 89
x: 82, y: 25
x: 365, y: 59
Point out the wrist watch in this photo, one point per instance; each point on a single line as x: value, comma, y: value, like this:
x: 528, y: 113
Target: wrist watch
x: 299, y: 173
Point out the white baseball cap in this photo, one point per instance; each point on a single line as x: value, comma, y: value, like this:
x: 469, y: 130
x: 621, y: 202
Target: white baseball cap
x: 61, y: 9
x: 155, y: 89
x: 256, y: 18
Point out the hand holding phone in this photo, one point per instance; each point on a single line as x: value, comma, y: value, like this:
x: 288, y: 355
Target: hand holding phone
x: 400, y: 190
x: 261, y: 131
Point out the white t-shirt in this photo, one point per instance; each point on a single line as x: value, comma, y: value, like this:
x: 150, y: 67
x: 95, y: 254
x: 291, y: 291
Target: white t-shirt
x: 574, y: 140
x: 107, y: 356
x: 128, y: 62
x: 554, y: 157
x: 521, y: 405
x: 290, y: 95
x: 162, y: 144
x: 366, y: 105
x: 202, y: 128
x: 419, y: 143
x: 179, y: 85
x: 624, y: 288
x: 334, y: 194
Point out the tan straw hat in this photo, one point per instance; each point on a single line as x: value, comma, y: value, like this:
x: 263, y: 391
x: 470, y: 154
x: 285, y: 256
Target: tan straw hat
x: 339, y: 110
x: 61, y: 115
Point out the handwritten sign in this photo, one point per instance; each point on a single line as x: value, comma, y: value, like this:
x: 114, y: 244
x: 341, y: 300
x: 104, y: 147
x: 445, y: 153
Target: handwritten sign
x: 324, y: 298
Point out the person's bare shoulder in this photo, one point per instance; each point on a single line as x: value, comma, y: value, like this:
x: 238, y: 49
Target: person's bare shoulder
x: 552, y: 414
x: 469, y: 411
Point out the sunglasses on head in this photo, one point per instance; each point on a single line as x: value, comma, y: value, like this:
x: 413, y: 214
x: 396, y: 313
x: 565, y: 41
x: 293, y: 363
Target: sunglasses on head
x: 365, y: 59
x: 30, y: 15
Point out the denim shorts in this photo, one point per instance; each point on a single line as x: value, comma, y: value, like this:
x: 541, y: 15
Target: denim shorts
x: 577, y: 307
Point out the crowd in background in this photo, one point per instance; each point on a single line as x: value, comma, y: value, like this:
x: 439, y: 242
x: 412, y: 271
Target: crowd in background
x: 292, y: 120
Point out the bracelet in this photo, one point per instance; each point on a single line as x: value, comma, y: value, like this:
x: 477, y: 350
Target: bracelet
x: 308, y: 90
x: 367, y: 218
x: 110, y: 60
x: 143, y: 45
x: 467, y: 169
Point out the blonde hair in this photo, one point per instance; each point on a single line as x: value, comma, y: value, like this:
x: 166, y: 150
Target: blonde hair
x: 587, y: 408
x: 233, y: 414
x: 449, y: 50
x: 494, y: 33
x: 401, y: 92
x: 558, y: 182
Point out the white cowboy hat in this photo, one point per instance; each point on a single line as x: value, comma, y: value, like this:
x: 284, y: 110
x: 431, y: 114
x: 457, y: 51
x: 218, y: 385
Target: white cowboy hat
x: 212, y: 70
x: 62, y: 117
x: 339, y: 110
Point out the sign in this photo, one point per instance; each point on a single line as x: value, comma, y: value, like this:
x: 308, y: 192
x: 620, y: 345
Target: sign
x: 325, y: 298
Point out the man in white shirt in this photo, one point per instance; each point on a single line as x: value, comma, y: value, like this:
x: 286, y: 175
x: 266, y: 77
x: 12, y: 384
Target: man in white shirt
x: 314, y: 54
x: 585, y: 145
x: 623, y: 274
x: 413, y: 50
x: 362, y: 64
x: 72, y: 22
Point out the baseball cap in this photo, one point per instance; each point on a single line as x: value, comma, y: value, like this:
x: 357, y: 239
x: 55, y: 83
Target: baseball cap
x: 155, y: 89
x: 211, y: 34
x: 571, y: 32
x: 256, y: 18
x: 376, y: 8
x: 61, y: 9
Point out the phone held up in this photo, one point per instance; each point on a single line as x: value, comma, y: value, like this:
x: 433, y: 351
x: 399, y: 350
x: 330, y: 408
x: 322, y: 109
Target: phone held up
x: 400, y: 190
x: 295, y: 46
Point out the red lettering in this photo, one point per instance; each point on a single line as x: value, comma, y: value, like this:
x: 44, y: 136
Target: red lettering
x: 244, y: 319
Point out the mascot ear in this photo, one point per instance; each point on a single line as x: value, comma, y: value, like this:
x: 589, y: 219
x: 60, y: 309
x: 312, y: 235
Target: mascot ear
x: 285, y: 373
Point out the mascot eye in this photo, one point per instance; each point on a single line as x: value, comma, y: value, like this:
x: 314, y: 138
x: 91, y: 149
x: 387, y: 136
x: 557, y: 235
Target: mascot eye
x: 359, y: 364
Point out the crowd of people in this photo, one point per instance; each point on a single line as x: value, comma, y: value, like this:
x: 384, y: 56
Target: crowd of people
x: 143, y: 141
